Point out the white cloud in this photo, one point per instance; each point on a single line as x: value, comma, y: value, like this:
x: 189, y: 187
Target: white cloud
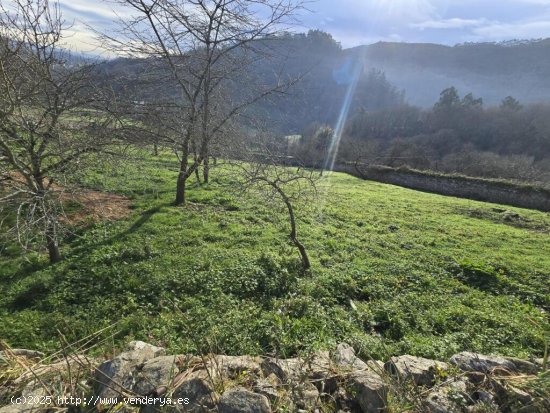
x: 87, y: 8
x: 454, y: 23
x: 518, y: 30
x: 356, y: 22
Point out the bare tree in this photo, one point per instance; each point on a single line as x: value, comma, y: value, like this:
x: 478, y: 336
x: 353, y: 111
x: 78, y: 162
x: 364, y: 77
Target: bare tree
x: 204, y: 48
x: 260, y: 171
x: 48, y: 122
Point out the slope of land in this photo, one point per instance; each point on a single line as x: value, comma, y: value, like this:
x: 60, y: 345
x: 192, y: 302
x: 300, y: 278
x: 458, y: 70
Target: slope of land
x: 492, y: 71
x: 395, y: 271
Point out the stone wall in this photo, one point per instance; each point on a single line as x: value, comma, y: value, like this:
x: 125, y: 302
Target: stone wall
x: 144, y: 379
x: 499, y: 192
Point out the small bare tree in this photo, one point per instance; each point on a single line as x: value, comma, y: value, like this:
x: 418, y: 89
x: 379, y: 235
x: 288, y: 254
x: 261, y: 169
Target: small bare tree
x: 48, y: 121
x: 203, y: 48
x: 261, y: 172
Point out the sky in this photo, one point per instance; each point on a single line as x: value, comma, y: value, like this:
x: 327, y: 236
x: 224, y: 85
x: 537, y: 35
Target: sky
x: 357, y: 22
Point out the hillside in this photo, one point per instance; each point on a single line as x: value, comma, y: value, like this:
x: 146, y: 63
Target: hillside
x: 394, y: 271
x: 393, y: 73
x: 492, y: 71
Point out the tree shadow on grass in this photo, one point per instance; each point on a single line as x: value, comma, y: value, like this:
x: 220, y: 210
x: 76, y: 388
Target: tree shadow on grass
x: 34, y: 286
x: 142, y: 220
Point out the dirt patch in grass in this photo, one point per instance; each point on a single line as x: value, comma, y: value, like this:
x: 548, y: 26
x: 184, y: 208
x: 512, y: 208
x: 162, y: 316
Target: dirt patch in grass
x: 80, y: 205
x: 94, y: 206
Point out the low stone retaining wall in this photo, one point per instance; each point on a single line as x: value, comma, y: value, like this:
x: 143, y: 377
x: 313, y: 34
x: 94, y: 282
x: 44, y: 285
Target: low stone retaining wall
x: 145, y: 379
x: 499, y: 192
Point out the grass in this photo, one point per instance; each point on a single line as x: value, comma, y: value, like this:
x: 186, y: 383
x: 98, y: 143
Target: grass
x: 395, y: 271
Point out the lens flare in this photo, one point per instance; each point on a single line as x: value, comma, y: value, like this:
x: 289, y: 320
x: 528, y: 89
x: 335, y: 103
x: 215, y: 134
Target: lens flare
x: 353, y: 79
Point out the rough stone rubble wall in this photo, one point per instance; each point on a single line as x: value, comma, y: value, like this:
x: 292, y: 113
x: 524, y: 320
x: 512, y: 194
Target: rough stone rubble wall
x: 463, y: 187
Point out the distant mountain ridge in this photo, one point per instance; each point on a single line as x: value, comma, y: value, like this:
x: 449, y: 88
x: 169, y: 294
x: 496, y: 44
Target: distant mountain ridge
x: 489, y: 70
x: 394, y: 73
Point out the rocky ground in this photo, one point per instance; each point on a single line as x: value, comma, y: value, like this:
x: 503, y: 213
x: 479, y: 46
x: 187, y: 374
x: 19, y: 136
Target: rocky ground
x: 143, y: 378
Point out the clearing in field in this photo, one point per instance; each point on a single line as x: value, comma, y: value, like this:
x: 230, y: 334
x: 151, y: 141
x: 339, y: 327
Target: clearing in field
x: 394, y: 271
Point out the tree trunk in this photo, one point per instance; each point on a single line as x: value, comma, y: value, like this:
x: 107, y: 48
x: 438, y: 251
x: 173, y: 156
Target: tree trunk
x: 197, y: 175
x: 206, y: 169
x: 52, y: 245
x: 180, y: 190
x: 196, y: 159
x: 182, y: 178
x: 306, y: 264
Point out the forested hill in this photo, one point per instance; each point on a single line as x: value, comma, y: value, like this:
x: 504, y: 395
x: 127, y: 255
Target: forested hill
x: 315, y: 63
x: 393, y: 73
x: 490, y: 70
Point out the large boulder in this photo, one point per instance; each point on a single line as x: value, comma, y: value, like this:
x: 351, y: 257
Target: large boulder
x: 370, y: 390
x: 421, y: 370
x: 240, y: 400
x: 115, y: 377
x: 198, y: 388
x: 467, y: 361
x: 345, y: 357
x: 155, y: 373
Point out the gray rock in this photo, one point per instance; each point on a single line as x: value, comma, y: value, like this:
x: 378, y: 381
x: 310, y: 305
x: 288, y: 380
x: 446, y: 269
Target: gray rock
x: 345, y: 401
x: 22, y: 352
x: 31, y: 395
x: 523, y: 366
x: 240, y: 400
x: 484, y: 397
x: 376, y: 365
x: 232, y: 367
x: 154, y: 374
x: 514, y: 399
x: 116, y: 376
x: 458, y: 385
x: 475, y: 377
x: 422, y: 371
x: 345, y: 357
x: 17, y: 408
x: 323, y: 372
x: 198, y: 388
x: 370, y: 391
x: 141, y: 350
x: 478, y: 362
x: 267, y: 388
x: 286, y: 370
x: 305, y: 396
x: 441, y: 402
x: 320, y: 366
x: 450, y: 398
x: 28, y: 406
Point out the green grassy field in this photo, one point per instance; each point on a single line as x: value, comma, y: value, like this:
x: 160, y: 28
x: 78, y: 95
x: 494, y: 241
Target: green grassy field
x: 395, y: 271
